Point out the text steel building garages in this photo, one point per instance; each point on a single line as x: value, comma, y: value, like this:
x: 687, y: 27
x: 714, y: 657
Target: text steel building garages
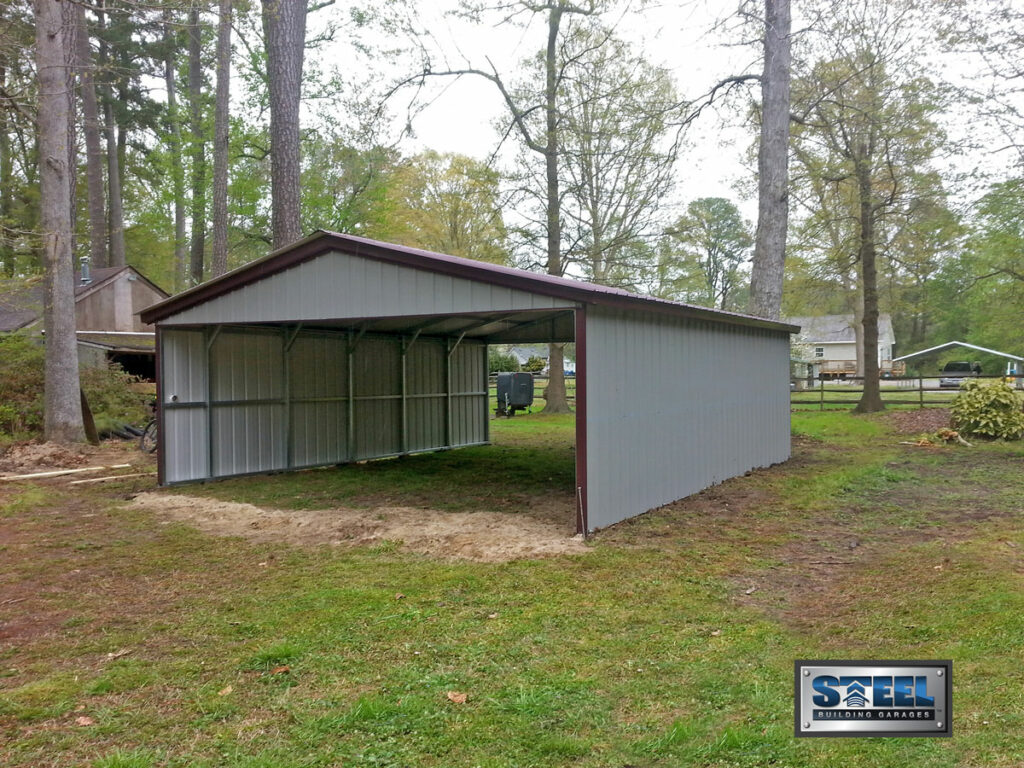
x: 338, y: 349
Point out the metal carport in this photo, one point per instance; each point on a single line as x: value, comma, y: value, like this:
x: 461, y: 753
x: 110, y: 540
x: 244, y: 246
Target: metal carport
x: 339, y: 348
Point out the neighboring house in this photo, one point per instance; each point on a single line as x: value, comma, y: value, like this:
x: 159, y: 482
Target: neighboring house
x: 107, y: 303
x: 830, y: 343
x: 524, y: 352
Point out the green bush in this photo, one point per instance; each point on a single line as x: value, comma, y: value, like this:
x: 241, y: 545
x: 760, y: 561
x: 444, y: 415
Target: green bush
x: 990, y: 408
x: 498, y: 362
x: 111, y: 397
x: 22, y: 362
x: 21, y: 385
x: 534, y: 364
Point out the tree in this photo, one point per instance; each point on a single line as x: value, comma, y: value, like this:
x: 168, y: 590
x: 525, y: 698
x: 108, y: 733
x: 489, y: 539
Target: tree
x: 284, y: 24
x: 450, y: 204
x: 772, y: 165
x: 221, y: 122
x: 713, y: 242
x: 534, y: 110
x: 865, y: 127
x: 175, y: 144
x: 622, y: 128
x: 93, y: 147
x: 197, y: 129
x: 115, y: 201
x: 55, y: 64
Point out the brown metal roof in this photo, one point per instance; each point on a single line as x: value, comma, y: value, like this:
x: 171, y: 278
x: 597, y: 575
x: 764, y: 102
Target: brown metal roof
x: 548, y: 285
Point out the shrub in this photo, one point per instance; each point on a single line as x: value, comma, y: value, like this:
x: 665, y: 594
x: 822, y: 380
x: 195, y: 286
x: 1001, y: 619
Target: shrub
x: 22, y: 361
x: 498, y: 362
x: 111, y: 397
x: 21, y: 385
x: 989, y: 408
x: 534, y: 364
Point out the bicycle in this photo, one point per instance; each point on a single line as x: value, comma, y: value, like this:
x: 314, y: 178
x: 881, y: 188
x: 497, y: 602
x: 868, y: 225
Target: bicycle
x: 148, y: 440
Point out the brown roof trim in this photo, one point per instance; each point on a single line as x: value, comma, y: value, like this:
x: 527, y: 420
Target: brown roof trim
x: 453, y: 266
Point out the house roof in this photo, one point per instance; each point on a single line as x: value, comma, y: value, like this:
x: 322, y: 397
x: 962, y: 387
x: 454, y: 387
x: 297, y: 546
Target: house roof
x: 21, y: 299
x: 122, y: 342
x: 838, y: 329
x: 548, y: 285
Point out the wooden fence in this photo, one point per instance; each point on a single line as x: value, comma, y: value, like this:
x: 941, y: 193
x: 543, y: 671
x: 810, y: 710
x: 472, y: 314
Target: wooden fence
x: 907, y: 391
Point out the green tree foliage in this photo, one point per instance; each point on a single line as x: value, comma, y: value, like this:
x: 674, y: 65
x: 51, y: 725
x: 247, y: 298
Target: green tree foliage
x: 108, y: 388
x: 450, y: 204
x: 501, y: 362
x: 707, y: 248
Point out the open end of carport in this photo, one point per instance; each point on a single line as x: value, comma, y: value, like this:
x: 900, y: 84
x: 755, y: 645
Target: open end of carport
x: 550, y: 444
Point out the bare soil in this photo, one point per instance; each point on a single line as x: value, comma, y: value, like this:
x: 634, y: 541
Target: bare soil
x: 919, y: 421
x: 479, y: 536
x: 29, y: 457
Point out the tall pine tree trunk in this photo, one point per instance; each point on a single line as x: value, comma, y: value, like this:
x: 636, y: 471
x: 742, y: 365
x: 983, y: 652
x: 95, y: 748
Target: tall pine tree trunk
x: 221, y: 139
x: 554, y: 396
x: 115, y: 204
x: 96, y: 191
x: 177, y: 163
x: 871, y: 399
x: 284, y: 25
x: 55, y: 64
x: 766, y: 275
x: 198, y: 145
x: 7, y: 253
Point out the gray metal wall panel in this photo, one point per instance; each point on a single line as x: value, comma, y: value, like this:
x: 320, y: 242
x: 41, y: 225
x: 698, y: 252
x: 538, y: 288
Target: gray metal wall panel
x: 469, y: 395
x: 249, y: 365
x: 265, y: 417
x: 319, y: 433
x: 338, y: 285
x: 183, y: 367
x: 426, y: 423
x: 184, y: 444
x: 319, y: 365
x: 675, y: 406
x: 378, y: 428
x: 247, y: 438
x: 183, y: 392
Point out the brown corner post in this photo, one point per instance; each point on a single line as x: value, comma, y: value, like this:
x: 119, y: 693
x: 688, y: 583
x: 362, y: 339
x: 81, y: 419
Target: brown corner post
x: 161, y: 472
x: 582, y: 523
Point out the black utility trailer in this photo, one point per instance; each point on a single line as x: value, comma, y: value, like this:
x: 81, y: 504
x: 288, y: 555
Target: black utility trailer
x: 515, y: 393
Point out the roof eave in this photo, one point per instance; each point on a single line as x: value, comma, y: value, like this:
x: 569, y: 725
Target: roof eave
x: 322, y: 242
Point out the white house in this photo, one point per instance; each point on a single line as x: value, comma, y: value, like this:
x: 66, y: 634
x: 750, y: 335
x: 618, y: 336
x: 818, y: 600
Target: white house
x: 830, y: 342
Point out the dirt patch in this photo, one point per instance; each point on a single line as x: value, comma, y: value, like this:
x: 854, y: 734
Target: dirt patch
x: 27, y: 457
x: 479, y: 536
x: 920, y: 421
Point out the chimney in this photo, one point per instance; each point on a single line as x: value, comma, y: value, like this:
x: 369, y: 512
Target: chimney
x: 86, y: 277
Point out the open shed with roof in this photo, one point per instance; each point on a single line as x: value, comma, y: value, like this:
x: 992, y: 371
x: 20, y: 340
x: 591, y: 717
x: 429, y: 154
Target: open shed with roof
x: 340, y: 349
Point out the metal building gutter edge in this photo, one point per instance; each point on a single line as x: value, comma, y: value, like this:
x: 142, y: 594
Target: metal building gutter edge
x: 453, y: 266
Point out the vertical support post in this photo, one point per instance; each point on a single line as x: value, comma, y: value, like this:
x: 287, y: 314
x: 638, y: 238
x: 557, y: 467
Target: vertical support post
x: 289, y: 435
x: 821, y: 393
x: 920, y: 389
x: 209, y: 337
x: 582, y: 522
x: 487, y: 398
x: 448, y: 393
x: 351, y: 424
x: 161, y: 429
x: 404, y: 447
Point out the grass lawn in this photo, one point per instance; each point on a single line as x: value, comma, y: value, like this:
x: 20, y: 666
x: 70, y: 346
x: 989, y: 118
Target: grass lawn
x: 129, y: 641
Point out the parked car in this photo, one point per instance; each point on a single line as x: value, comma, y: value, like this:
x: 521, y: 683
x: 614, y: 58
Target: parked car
x: 954, y: 373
